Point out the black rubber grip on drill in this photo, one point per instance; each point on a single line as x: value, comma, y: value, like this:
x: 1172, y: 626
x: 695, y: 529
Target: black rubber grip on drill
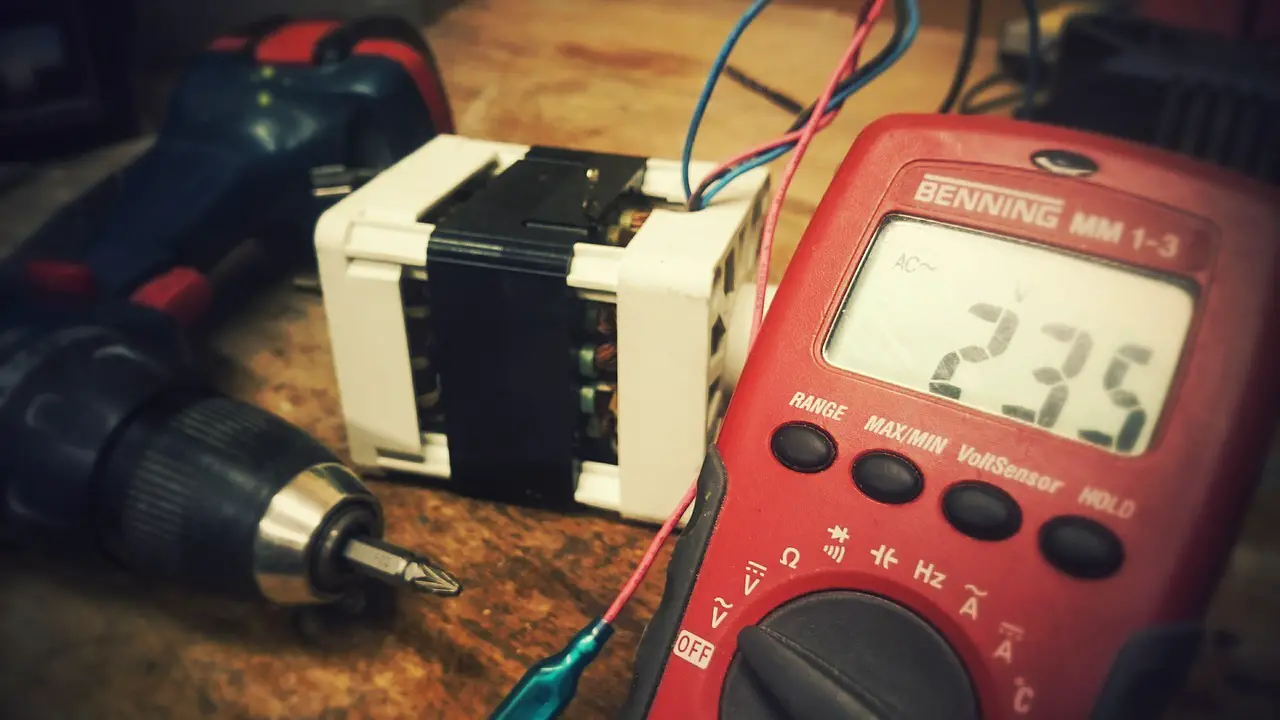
x: 682, y: 574
x: 188, y: 483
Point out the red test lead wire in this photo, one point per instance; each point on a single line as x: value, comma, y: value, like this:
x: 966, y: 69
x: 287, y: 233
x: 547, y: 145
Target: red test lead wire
x: 864, y: 18
x: 760, y: 149
x: 650, y: 555
x: 816, y: 122
x: 550, y: 684
x: 810, y: 129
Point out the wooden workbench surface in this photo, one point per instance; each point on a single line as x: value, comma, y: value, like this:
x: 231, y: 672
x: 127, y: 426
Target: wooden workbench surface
x: 80, y: 641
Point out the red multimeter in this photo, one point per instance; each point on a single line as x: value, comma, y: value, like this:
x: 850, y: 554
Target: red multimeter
x: 989, y: 453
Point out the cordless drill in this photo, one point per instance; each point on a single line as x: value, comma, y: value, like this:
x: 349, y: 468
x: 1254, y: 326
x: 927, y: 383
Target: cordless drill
x: 264, y: 131
x: 111, y: 439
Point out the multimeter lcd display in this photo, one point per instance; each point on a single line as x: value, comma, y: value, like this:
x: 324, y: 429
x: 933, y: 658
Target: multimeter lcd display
x: 1076, y: 347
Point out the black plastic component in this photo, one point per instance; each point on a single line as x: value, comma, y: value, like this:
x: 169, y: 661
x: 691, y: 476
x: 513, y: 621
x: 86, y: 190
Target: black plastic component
x: 803, y: 447
x: 797, y: 681
x: 843, y: 654
x: 1065, y: 162
x: 1150, y: 668
x: 415, y: 296
x: 459, y: 196
x: 529, y: 216
x: 887, y: 478
x: 503, y: 319
x: 982, y: 511
x: 1081, y: 547
x: 682, y: 573
x: 1192, y: 92
x: 187, y: 483
x: 505, y: 381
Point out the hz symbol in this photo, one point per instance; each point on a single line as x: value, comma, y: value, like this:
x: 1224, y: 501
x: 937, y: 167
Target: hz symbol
x: 835, y: 552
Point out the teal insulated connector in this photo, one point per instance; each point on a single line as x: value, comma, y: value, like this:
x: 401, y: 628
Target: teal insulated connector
x: 549, y: 685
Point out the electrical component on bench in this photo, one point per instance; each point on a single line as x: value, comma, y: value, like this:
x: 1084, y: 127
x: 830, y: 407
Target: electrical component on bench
x: 494, y: 307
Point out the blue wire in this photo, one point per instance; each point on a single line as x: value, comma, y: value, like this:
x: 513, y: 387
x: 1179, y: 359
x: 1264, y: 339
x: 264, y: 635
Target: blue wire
x: 908, y: 37
x: 716, y: 69
x: 1033, y: 54
x: 739, y: 170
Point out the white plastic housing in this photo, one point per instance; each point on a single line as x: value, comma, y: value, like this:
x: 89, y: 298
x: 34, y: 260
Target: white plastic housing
x: 668, y: 283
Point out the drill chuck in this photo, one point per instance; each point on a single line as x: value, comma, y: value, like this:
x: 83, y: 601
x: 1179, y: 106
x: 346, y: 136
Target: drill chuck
x: 224, y: 496
x: 297, y: 552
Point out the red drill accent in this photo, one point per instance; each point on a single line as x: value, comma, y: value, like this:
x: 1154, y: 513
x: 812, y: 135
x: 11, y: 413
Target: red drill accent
x: 423, y: 73
x: 182, y: 293
x: 294, y: 43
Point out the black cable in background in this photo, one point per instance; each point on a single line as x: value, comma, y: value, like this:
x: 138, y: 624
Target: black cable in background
x: 972, y: 27
x: 969, y: 102
x: 782, y: 100
x: 989, y: 106
x: 1033, y: 56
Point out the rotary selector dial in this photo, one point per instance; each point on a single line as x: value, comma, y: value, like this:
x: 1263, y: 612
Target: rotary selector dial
x: 845, y: 655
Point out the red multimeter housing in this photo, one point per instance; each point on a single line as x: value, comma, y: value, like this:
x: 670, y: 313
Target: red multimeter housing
x: 990, y: 450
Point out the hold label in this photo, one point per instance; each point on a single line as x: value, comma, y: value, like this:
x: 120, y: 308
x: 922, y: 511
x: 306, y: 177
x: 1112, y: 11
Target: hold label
x: 1107, y: 503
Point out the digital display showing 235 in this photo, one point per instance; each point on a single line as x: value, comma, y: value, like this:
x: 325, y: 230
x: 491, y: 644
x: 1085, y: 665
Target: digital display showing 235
x: 1076, y: 347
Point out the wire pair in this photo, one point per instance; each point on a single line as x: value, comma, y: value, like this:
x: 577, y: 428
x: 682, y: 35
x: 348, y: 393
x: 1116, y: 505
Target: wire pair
x: 906, y: 28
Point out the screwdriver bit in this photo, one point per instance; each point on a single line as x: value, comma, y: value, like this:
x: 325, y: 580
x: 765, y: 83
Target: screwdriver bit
x: 398, y: 566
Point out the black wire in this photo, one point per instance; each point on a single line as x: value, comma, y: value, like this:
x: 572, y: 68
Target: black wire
x: 899, y: 29
x: 972, y: 26
x: 984, y: 85
x: 967, y: 102
x: 1033, y: 55
x: 995, y: 103
x: 782, y: 100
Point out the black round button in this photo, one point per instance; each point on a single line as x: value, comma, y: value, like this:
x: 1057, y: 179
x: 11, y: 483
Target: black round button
x: 1064, y: 162
x: 1081, y: 547
x: 887, y: 478
x: 982, y: 511
x: 803, y: 447
x: 843, y: 654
